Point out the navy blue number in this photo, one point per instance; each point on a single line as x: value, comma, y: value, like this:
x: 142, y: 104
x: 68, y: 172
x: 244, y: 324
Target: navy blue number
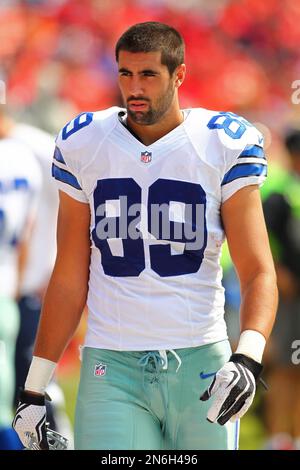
x: 129, y: 193
x: 218, y: 122
x: 191, y: 231
x: 82, y: 120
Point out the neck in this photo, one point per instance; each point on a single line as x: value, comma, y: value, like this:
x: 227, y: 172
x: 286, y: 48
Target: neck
x: 149, y: 134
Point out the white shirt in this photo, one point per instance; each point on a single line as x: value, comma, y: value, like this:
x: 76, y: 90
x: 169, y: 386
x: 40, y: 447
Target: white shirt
x: 162, y: 290
x: 42, y: 246
x: 20, y: 182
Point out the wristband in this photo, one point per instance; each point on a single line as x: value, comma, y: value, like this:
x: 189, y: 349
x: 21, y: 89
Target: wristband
x: 39, y: 375
x: 251, y: 344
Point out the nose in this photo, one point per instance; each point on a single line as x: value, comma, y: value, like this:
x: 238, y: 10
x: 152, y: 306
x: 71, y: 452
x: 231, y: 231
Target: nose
x: 136, y: 88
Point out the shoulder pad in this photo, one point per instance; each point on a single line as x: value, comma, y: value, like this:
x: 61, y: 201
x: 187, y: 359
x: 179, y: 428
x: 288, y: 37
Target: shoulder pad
x: 86, y: 127
x: 235, y: 132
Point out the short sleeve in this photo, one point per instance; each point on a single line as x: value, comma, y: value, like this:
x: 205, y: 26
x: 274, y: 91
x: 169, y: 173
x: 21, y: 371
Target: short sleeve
x: 245, y: 160
x: 64, y: 173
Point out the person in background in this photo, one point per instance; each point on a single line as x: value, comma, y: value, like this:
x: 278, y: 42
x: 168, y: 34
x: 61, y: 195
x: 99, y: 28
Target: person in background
x: 20, y: 183
x: 41, y: 253
x: 281, y: 204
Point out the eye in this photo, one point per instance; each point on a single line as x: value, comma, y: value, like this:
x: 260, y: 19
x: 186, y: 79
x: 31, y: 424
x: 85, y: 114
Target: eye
x: 149, y: 74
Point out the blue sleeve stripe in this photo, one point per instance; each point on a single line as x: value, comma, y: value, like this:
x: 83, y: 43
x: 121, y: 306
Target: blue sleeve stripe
x: 58, y: 156
x: 253, y: 151
x: 65, y: 177
x: 243, y: 170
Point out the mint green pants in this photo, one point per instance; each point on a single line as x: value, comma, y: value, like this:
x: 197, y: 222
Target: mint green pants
x: 147, y: 400
x: 9, y: 327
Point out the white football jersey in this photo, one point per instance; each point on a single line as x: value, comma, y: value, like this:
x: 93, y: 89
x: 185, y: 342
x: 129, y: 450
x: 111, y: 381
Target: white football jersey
x: 40, y: 261
x: 156, y: 233
x: 20, y: 181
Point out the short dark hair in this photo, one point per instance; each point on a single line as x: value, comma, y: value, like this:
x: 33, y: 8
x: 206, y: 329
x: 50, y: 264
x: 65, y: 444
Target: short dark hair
x: 153, y: 36
x: 292, y: 141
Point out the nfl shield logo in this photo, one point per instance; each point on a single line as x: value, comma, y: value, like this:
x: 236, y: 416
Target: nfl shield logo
x: 146, y: 157
x: 99, y: 370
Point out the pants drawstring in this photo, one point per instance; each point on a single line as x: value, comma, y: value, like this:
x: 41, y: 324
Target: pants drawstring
x: 164, y: 355
x: 160, y: 360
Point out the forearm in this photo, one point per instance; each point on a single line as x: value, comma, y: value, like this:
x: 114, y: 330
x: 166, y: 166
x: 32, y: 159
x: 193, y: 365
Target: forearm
x: 61, y: 313
x: 66, y: 294
x: 259, y: 303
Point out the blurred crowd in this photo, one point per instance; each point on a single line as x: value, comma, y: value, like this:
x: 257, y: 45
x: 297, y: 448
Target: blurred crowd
x: 57, y: 59
x: 57, y: 56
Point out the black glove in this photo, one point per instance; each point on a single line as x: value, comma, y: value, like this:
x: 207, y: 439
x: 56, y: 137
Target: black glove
x: 30, y: 420
x: 234, y: 388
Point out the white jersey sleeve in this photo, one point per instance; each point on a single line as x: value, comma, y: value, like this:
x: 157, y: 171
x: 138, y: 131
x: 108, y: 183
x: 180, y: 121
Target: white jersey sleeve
x: 67, y: 164
x: 77, y: 145
x: 243, y: 155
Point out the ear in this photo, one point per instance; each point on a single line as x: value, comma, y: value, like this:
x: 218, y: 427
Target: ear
x: 180, y: 75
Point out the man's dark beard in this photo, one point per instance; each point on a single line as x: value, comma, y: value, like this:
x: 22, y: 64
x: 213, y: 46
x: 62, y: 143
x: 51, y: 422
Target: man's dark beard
x: 152, y: 116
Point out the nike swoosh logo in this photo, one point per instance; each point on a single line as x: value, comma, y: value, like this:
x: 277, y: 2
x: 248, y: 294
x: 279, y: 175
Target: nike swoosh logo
x: 260, y: 140
x: 206, y: 376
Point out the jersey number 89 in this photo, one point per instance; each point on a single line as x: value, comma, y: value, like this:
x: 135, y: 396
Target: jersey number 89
x: 162, y: 193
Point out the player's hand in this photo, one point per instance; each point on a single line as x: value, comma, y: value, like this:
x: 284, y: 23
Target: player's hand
x: 30, y: 419
x: 233, y: 389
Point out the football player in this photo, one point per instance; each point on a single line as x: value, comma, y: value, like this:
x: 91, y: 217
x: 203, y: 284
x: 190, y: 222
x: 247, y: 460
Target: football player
x: 147, y: 194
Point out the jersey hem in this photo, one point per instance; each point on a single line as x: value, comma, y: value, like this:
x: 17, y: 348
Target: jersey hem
x: 156, y: 346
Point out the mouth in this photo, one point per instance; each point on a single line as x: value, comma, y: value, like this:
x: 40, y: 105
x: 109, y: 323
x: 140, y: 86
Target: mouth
x: 137, y: 105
